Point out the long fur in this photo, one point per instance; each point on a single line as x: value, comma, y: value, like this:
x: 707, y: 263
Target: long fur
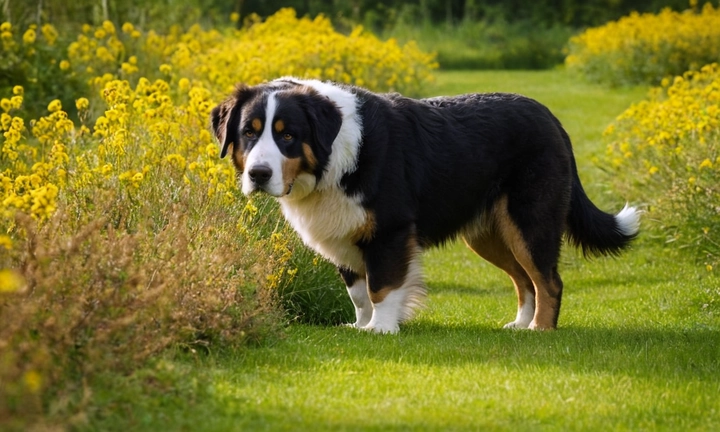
x: 368, y: 180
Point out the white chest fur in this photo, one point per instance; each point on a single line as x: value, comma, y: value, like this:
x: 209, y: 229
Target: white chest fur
x: 327, y: 221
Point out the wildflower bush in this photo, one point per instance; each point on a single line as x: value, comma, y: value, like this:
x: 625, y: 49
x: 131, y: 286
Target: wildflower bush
x: 121, y: 231
x: 665, y: 151
x: 645, y: 48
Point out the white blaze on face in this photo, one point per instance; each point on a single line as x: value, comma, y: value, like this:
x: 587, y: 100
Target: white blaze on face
x: 266, y: 153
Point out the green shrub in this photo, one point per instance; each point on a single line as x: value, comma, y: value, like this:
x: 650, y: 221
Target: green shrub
x: 488, y: 44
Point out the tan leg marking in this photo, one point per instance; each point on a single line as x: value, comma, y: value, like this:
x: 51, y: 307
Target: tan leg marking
x: 491, y: 247
x: 547, y: 304
x: 366, y: 231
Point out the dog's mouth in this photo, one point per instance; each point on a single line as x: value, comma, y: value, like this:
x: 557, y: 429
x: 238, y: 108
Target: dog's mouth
x: 260, y: 189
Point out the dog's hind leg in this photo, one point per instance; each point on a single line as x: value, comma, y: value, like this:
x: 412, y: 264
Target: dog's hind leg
x: 357, y: 289
x: 394, y: 277
x: 537, y: 249
x: 490, y: 246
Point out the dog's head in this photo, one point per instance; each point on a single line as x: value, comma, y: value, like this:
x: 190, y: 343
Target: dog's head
x: 281, y: 134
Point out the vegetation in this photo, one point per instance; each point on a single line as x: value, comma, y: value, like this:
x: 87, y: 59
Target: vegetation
x: 637, y: 346
x: 139, y: 290
x: 122, y: 232
x: 665, y: 151
x: 474, y: 34
x: 645, y: 48
x: 466, y: 34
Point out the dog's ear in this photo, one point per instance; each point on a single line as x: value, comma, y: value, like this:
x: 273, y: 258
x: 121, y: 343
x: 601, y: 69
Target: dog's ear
x: 325, y: 121
x: 225, y: 118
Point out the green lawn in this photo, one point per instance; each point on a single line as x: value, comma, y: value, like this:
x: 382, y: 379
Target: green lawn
x: 638, y: 345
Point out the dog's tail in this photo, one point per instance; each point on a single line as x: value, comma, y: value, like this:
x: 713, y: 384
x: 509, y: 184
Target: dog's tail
x: 593, y: 230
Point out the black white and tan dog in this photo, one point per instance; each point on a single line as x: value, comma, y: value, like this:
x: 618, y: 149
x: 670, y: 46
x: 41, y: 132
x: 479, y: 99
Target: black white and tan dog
x: 371, y: 180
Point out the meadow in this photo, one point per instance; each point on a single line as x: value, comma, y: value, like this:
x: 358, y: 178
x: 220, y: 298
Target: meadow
x: 638, y: 345
x: 140, y: 291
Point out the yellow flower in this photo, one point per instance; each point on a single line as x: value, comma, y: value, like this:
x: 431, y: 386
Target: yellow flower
x: 29, y: 36
x: 128, y: 28
x: 49, y: 33
x: 234, y: 17
x: 82, y: 103
x: 32, y: 380
x: 18, y: 90
x: 55, y: 105
x: 10, y: 281
x: 64, y: 65
x: 108, y: 26
x: 16, y: 101
x: 706, y: 164
x: 5, y: 241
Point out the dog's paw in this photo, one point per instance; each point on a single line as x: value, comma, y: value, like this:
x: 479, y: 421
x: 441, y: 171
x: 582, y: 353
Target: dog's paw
x: 537, y: 327
x: 516, y: 325
x: 382, y: 329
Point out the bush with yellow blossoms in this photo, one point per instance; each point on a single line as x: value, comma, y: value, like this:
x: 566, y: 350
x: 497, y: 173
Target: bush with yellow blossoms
x: 665, y: 152
x: 33, y: 58
x: 121, y: 230
x: 645, y: 48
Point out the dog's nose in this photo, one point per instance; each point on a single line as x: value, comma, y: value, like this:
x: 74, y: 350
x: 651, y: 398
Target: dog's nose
x: 260, y: 174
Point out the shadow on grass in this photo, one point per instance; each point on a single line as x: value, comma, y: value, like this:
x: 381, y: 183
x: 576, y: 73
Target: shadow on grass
x: 678, y: 353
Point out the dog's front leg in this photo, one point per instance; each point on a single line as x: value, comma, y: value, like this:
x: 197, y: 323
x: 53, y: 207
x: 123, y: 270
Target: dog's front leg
x: 394, y: 278
x: 357, y: 289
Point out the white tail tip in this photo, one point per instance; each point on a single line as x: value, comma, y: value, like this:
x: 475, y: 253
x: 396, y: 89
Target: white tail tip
x: 628, y: 221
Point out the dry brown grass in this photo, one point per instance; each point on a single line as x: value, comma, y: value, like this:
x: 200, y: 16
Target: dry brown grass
x: 103, y: 294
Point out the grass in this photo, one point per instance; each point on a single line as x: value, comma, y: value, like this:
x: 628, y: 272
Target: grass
x: 638, y: 346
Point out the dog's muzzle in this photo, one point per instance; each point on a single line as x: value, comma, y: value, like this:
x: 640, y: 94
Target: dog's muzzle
x: 260, y: 176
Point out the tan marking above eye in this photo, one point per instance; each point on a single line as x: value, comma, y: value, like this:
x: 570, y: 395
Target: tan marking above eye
x: 256, y: 124
x: 279, y: 126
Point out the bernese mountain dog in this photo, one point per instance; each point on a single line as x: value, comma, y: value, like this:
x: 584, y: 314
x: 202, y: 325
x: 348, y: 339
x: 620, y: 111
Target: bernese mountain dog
x: 371, y: 180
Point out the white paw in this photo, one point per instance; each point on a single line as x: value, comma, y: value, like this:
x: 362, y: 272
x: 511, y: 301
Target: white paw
x: 516, y: 325
x: 382, y: 329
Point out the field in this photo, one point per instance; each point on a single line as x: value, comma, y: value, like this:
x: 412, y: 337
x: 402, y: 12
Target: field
x: 638, y: 347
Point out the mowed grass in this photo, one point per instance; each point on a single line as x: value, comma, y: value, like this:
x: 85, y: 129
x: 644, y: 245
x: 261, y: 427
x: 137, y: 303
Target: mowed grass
x: 638, y: 346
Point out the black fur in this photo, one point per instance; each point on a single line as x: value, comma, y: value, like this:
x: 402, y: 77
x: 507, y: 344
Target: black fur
x: 429, y: 170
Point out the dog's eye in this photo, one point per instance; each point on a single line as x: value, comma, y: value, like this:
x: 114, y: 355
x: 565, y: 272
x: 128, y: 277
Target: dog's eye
x: 249, y: 133
x: 287, y: 137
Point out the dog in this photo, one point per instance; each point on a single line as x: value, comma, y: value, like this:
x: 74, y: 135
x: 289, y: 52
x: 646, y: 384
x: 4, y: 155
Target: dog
x: 371, y: 180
